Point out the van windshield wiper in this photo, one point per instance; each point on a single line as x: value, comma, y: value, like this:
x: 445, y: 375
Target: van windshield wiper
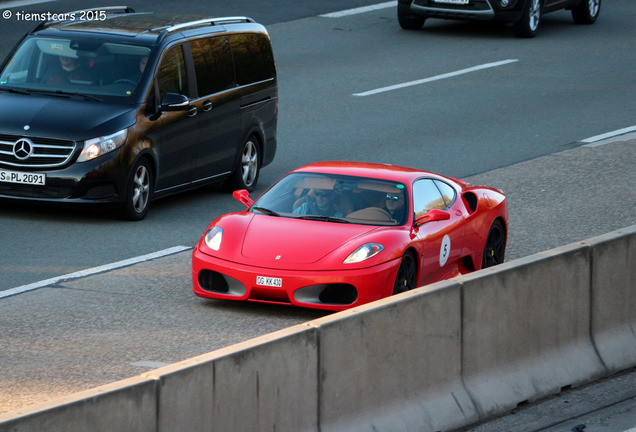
x: 62, y: 93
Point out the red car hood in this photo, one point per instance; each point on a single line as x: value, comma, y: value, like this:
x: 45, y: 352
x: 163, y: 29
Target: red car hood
x: 279, y: 241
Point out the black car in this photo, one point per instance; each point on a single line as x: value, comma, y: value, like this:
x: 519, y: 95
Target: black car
x: 116, y: 107
x: 524, y: 15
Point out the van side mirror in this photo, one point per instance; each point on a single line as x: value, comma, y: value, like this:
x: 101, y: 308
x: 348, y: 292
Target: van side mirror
x: 431, y: 216
x: 243, y: 196
x: 175, y: 102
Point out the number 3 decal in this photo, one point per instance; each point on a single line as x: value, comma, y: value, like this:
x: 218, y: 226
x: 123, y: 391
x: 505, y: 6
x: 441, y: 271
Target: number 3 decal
x: 444, y: 250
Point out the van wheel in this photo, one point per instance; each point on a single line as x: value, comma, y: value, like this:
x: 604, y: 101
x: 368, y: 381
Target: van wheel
x: 528, y: 25
x: 407, y: 20
x: 586, y: 12
x: 245, y: 175
x: 138, y: 191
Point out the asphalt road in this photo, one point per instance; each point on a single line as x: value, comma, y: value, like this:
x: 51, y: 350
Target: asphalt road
x: 518, y: 126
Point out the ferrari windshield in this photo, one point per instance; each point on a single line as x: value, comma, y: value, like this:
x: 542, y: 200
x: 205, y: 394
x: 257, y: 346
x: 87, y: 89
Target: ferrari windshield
x: 336, y: 198
x: 75, y: 66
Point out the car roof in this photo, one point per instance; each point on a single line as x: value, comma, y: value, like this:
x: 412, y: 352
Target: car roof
x: 373, y: 170
x: 123, y: 21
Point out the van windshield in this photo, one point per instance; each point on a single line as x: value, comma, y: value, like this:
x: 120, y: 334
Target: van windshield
x: 86, y: 67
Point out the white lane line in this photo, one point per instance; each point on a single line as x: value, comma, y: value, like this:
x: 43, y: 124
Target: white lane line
x: 359, y: 10
x: 607, y: 135
x: 92, y: 271
x: 436, y: 78
x: 12, y: 4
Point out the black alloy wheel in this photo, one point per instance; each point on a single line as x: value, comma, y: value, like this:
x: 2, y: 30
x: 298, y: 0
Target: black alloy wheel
x: 495, y: 250
x: 406, y: 275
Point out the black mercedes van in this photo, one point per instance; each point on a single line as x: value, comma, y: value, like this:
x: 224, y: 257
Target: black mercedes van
x: 116, y: 107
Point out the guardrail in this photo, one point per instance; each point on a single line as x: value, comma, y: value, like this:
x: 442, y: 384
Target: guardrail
x: 432, y: 359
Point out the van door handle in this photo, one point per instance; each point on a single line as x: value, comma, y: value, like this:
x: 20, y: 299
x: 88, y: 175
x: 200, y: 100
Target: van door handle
x: 192, y: 111
x: 206, y: 106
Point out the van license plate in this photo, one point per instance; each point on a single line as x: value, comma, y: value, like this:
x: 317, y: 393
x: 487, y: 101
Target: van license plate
x: 22, y: 177
x: 269, y: 281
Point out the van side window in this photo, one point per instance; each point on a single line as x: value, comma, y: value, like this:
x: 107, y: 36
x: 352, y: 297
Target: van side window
x: 253, y: 58
x: 213, y: 64
x: 172, y: 76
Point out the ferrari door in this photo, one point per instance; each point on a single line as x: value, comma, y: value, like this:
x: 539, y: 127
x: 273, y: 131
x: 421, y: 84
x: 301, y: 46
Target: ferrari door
x: 439, y: 239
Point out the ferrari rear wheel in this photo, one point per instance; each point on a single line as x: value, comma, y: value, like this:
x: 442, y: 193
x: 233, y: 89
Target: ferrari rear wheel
x: 406, y: 275
x: 495, y: 249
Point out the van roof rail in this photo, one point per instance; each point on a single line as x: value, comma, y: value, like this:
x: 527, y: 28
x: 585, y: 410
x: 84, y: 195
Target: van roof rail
x: 205, y: 22
x: 62, y: 17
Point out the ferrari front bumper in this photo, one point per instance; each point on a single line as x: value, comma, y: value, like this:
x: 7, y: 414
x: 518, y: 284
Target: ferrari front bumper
x: 333, y: 290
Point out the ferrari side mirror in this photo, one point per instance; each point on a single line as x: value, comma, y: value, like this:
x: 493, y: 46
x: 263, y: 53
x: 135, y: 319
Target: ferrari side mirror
x: 431, y: 216
x: 243, y: 196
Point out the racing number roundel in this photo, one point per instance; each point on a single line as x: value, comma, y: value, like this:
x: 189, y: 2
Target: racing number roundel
x: 444, y: 250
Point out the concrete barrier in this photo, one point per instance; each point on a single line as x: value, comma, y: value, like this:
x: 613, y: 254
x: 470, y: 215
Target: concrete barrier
x: 127, y: 405
x: 433, y: 359
x: 265, y: 384
x: 526, y: 330
x: 614, y: 297
x: 395, y: 365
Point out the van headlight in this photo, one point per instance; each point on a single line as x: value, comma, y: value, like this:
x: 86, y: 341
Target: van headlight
x: 97, y: 147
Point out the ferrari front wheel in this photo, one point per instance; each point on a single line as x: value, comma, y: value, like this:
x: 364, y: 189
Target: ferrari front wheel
x: 495, y: 249
x: 406, y: 275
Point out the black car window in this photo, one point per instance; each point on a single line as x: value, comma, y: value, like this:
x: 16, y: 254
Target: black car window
x: 426, y: 196
x: 172, y: 76
x: 213, y: 64
x: 253, y: 58
x: 448, y: 192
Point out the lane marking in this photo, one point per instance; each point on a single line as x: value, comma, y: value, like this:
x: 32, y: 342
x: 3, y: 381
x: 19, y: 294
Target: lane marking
x: 436, y: 78
x: 93, y: 271
x: 594, y: 141
x: 359, y: 10
x: 12, y: 4
x: 150, y: 364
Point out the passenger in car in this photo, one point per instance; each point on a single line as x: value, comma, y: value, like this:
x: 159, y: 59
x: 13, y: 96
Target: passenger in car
x: 322, y: 205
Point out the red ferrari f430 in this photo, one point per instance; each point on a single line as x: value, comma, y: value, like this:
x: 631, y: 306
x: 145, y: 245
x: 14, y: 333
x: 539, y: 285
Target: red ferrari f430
x: 334, y: 235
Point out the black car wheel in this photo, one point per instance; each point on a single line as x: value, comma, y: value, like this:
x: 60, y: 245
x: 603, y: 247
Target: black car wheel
x: 406, y: 19
x: 406, y: 275
x: 586, y: 12
x: 495, y: 249
x: 245, y: 175
x: 138, y: 191
x: 528, y: 25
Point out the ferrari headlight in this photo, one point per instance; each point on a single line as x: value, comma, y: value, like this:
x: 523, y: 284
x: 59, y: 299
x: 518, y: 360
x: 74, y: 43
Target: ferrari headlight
x: 364, y: 252
x: 213, y: 238
x: 97, y: 147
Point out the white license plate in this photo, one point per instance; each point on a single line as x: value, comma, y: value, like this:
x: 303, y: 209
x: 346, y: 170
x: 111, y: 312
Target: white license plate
x: 269, y: 281
x: 459, y: 2
x: 22, y: 177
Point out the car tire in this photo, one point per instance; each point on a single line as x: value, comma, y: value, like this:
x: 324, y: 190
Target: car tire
x: 407, y: 20
x: 586, y: 12
x: 138, y: 191
x: 406, y: 277
x: 528, y: 25
x: 245, y: 175
x: 495, y: 249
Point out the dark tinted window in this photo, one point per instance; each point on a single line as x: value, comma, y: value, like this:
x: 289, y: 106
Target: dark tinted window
x: 213, y: 64
x: 253, y: 57
x: 172, y: 76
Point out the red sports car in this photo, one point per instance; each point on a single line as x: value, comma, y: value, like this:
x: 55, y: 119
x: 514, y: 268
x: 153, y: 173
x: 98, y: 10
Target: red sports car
x: 334, y: 235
